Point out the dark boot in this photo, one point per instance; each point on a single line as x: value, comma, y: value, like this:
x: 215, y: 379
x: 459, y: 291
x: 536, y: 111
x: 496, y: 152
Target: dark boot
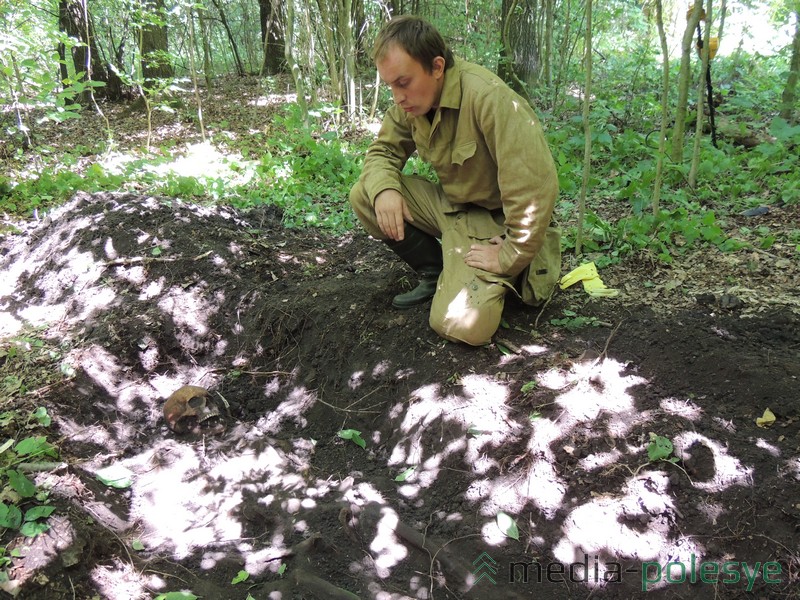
x: 423, y: 253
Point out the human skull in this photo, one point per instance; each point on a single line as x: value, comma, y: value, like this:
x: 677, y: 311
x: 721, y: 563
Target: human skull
x: 190, y: 408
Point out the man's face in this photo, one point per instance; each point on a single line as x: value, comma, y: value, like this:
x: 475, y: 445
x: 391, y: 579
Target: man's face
x: 413, y: 88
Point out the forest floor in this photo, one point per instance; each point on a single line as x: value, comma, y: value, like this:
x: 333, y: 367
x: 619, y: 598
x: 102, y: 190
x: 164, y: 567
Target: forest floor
x: 545, y: 431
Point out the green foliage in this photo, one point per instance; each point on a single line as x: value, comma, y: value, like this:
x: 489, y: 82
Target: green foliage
x: 54, y: 185
x: 573, y: 321
x: 23, y: 505
x: 354, y: 436
x: 240, y: 577
x: 28, y: 363
x: 308, y: 176
x: 660, y: 448
x: 176, y: 596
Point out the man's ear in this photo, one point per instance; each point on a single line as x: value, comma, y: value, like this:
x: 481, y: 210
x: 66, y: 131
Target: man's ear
x: 438, y: 67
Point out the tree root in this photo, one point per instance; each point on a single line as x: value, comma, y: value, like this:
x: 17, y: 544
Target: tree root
x: 308, y: 583
x: 361, y: 529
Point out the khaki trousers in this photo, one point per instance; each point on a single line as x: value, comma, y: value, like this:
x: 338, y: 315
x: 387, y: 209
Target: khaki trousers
x: 468, y: 303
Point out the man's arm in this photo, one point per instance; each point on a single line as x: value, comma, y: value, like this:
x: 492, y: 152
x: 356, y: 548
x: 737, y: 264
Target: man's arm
x: 526, y: 176
x: 387, y: 155
x: 384, y: 163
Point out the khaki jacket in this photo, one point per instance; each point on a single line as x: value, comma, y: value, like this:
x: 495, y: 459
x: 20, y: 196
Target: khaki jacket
x: 487, y: 147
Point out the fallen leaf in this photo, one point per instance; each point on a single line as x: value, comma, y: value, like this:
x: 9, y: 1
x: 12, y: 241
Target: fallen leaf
x: 508, y: 526
x: 766, y: 420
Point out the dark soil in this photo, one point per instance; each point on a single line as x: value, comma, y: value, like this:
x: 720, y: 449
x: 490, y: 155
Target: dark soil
x: 293, y: 333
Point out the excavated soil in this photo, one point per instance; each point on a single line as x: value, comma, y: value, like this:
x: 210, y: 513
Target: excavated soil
x: 292, y: 332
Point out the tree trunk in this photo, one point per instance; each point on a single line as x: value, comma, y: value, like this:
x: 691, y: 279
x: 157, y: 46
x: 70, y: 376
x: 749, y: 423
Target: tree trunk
x: 348, y: 51
x: 701, y: 93
x: 154, y: 42
x: 271, y: 37
x: 332, y: 62
x: 75, y: 20
x: 662, y: 140
x: 548, y: 42
x: 294, y: 68
x: 683, y: 81
x: 205, y: 31
x: 519, y: 60
x: 587, y: 127
x: 231, y: 39
x: 789, y: 96
x: 193, y: 68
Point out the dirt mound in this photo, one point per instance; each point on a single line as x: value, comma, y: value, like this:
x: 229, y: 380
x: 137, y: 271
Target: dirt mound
x: 542, y: 436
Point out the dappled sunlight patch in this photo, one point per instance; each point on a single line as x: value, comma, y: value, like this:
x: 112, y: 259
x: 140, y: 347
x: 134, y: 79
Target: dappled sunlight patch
x: 479, y: 417
x: 290, y: 410
x: 192, y: 308
x: 793, y: 467
x: 359, y: 494
x: 685, y: 409
x: 539, y: 484
x: 387, y: 550
x: 600, y: 459
x: 274, y: 99
x: 201, y: 160
x: 769, y: 447
x: 122, y: 580
x: 90, y: 434
x: 185, y: 500
x: 728, y: 470
x: 635, y: 525
x: 535, y: 349
x: 598, y: 388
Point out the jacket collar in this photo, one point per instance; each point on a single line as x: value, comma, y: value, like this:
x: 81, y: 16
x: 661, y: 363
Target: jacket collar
x: 451, y: 90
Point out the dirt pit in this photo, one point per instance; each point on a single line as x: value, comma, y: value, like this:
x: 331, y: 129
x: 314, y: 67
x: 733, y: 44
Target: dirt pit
x: 516, y: 470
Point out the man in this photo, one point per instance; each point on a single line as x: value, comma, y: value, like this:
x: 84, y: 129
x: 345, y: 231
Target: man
x: 498, y: 185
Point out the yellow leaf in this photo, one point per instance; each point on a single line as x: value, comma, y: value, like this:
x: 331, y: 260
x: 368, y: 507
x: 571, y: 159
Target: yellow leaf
x: 766, y: 420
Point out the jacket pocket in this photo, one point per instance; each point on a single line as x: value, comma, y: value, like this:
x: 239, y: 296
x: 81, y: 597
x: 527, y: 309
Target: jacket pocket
x: 462, y: 152
x: 539, y: 279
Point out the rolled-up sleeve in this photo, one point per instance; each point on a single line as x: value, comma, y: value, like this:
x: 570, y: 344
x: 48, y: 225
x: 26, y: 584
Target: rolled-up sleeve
x: 387, y: 155
x: 526, y: 174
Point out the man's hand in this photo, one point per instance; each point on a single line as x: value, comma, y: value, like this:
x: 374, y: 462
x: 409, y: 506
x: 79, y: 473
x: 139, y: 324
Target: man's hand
x: 391, y: 210
x: 486, y: 257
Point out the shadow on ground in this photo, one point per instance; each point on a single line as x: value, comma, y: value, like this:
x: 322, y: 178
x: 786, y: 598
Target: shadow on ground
x: 513, y: 470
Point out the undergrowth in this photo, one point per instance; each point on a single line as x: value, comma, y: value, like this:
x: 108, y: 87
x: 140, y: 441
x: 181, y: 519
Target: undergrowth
x: 308, y: 171
x: 28, y: 364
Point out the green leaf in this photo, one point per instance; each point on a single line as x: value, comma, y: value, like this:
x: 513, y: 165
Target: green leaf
x: 39, y: 512
x: 21, y: 484
x: 33, y: 528
x: 6, y: 446
x: 116, y: 476
x: 354, y: 436
x: 176, y: 596
x: 34, y: 446
x: 282, y: 569
x: 156, y: 251
x: 508, y: 526
x: 659, y: 448
x: 503, y: 350
x: 240, y: 577
x: 40, y: 414
x: 10, y: 516
x: 405, y: 474
x: 137, y: 545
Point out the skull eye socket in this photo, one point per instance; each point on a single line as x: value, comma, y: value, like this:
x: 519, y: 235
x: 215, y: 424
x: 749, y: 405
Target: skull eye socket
x: 197, y: 402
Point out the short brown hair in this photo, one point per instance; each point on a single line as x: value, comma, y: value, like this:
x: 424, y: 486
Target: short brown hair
x: 417, y: 37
